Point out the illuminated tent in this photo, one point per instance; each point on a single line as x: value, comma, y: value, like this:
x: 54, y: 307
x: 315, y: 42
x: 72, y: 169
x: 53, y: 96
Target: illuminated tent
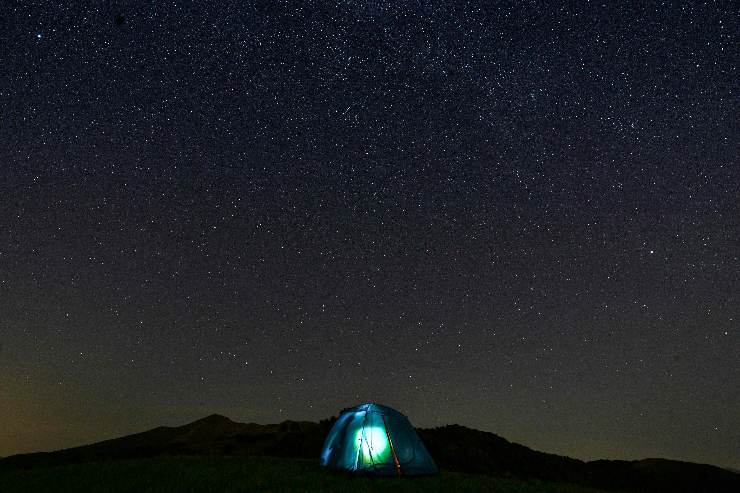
x: 378, y: 440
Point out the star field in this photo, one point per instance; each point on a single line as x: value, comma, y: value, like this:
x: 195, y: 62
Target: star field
x: 516, y: 217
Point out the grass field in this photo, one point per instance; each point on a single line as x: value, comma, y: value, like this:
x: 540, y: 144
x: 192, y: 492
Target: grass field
x: 242, y: 474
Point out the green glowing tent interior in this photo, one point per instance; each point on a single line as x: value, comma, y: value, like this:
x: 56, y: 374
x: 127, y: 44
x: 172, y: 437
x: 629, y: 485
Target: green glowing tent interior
x: 377, y: 440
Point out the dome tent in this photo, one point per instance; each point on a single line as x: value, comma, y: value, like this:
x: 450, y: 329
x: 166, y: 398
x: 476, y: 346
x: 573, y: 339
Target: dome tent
x: 377, y: 440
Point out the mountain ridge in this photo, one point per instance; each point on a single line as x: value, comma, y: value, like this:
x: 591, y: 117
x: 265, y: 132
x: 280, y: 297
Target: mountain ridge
x: 453, y: 447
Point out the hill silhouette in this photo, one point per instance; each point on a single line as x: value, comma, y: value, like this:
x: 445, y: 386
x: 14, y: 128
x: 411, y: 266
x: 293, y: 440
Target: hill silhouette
x: 454, y: 448
x: 463, y: 449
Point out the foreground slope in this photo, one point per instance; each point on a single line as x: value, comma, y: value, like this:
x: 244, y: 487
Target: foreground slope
x: 247, y: 474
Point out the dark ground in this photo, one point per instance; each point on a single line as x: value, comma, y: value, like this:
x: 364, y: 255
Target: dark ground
x: 248, y: 473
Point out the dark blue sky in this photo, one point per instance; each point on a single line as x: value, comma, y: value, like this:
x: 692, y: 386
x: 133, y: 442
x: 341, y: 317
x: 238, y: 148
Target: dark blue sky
x: 522, y: 218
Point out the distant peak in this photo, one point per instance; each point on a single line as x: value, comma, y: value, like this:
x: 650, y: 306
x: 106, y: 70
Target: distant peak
x: 214, y: 418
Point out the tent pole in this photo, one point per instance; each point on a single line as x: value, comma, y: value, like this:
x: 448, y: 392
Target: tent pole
x: 393, y: 450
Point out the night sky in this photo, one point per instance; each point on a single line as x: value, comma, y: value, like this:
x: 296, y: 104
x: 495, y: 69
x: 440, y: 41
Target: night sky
x: 520, y: 218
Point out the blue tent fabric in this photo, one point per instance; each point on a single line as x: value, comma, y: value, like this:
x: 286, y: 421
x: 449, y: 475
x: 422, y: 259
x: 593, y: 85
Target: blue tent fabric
x: 376, y: 440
